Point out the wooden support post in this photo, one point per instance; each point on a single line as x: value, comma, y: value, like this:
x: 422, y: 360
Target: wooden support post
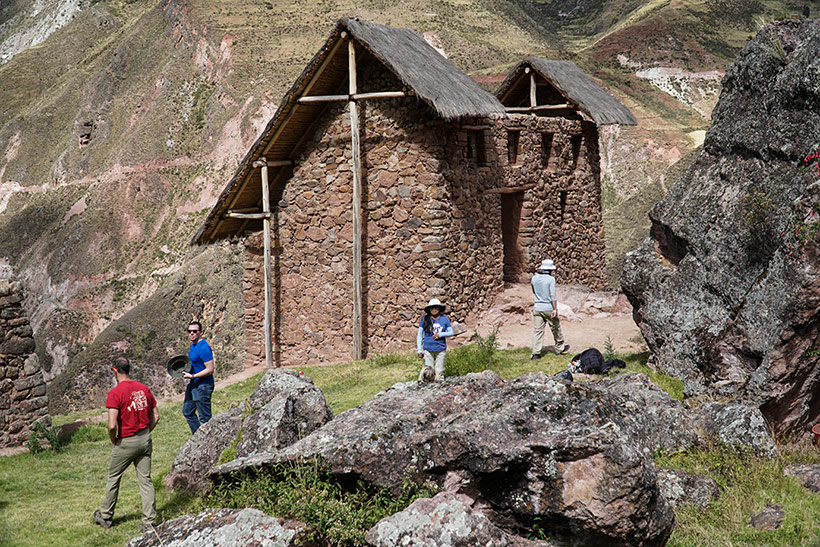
x: 266, y: 236
x: 533, y: 98
x: 357, y: 204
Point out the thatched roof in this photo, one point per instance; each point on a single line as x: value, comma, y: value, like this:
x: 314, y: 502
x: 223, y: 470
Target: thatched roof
x: 571, y: 83
x: 448, y: 91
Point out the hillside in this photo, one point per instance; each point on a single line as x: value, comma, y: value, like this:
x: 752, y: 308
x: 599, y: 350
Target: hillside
x: 121, y: 126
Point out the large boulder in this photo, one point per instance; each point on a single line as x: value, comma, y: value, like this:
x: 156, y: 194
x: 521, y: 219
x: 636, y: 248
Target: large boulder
x: 533, y: 449
x: 726, y: 290
x: 229, y: 528
x: 446, y: 520
x: 667, y: 424
x: 284, y: 407
x: 197, y: 456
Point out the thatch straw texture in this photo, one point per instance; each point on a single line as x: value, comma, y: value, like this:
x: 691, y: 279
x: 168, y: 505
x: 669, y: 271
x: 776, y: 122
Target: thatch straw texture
x: 576, y: 86
x: 432, y: 78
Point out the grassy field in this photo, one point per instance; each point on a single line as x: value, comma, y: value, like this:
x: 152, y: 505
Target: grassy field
x: 47, y: 498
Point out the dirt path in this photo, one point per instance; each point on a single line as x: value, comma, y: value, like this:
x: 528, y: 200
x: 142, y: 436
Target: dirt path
x: 588, y: 318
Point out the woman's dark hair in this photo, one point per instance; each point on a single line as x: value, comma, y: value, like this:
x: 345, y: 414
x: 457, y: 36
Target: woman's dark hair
x: 427, y: 325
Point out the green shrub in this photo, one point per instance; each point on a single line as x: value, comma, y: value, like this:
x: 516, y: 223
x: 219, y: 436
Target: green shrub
x: 40, y: 434
x: 475, y: 357
x: 308, y: 493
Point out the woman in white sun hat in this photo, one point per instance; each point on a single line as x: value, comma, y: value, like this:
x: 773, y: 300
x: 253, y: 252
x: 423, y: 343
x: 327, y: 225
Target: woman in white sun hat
x: 431, y: 343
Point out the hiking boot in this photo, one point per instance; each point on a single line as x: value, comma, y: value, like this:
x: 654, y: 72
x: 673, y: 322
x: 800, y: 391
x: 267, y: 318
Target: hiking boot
x: 146, y: 528
x: 563, y: 350
x: 98, y: 518
x: 535, y: 356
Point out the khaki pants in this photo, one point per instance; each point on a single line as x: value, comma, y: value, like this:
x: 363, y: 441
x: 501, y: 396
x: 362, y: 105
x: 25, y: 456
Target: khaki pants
x: 434, y: 360
x: 137, y: 450
x: 539, y: 321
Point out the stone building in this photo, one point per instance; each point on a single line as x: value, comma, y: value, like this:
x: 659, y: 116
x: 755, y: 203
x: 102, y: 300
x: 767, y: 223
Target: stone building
x: 387, y: 176
x: 23, y: 398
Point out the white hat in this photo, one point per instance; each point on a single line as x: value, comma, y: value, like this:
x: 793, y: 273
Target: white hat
x: 547, y: 265
x: 434, y: 302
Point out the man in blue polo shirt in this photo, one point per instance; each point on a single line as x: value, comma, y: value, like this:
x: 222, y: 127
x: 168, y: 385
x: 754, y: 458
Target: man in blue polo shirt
x: 197, y: 405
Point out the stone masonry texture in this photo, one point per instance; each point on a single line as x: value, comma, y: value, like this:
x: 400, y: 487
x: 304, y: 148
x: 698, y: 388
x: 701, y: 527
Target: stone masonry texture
x: 23, y: 398
x: 450, y: 210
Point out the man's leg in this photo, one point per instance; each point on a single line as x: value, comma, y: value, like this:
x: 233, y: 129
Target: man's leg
x: 557, y: 335
x: 439, y: 360
x: 120, y: 460
x: 189, y: 409
x: 143, y: 464
x: 202, y: 397
x: 538, y: 322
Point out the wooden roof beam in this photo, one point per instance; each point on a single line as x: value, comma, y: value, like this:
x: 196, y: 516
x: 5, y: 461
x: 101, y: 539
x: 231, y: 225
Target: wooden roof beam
x: 353, y: 97
x: 540, y: 107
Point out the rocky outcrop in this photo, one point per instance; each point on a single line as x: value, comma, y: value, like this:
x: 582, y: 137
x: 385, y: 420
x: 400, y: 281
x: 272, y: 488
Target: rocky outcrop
x: 23, y: 398
x: 229, y: 528
x: 446, y: 520
x: 197, y: 456
x: 284, y: 407
x: 726, y: 290
x: 666, y: 424
x: 535, y: 448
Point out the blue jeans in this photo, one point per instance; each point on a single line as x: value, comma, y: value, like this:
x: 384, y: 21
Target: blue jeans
x: 197, y: 405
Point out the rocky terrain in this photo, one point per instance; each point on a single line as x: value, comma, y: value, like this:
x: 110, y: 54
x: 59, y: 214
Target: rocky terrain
x: 502, y: 455
x: 725, y: 290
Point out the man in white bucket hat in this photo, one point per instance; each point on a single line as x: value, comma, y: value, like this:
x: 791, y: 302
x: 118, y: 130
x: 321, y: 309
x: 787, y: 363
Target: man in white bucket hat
x: 545, y: 309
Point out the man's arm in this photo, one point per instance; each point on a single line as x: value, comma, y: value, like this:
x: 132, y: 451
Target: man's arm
x: 154, y: 419
x: 113, y: 414
x: 209, y: 369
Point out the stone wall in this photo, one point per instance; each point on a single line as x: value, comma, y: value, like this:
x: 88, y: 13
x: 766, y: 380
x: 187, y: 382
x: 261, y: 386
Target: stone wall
x: 436, y: 197
x: 23, y: 397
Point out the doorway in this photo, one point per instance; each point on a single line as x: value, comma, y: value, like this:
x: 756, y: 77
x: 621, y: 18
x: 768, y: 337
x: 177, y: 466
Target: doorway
x: 510, y: 228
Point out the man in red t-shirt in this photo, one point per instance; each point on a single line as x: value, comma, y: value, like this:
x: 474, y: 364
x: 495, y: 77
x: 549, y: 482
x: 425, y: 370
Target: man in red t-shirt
x: 132, y: 415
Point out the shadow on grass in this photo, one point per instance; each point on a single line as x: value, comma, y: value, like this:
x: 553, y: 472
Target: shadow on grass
x: 177, y: 504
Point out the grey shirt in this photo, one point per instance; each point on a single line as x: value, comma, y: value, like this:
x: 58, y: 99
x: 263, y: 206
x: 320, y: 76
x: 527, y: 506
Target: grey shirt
x: 543, y: 289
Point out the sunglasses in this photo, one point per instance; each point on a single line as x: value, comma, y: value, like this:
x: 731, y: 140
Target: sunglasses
x: 192, y: 331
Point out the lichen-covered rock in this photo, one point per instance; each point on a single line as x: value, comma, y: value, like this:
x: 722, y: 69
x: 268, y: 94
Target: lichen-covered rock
x: 665, y: 420
x: 229, y: 528
x: 291, y: 408
x: 567, y: 454
x: 770, y: 518
x: 446, y: 520
x: 734, y: 424
x: 197, y: 456
x: 668, y: 425
x: 725, y: 295
x: 681, y: 488
x: 806, y: 475
x: 284, y: 407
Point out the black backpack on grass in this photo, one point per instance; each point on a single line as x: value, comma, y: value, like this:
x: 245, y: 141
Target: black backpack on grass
x: 592, y: 362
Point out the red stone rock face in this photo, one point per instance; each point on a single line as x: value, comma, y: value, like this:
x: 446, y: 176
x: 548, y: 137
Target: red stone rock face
x: 450, y: 209
x: 23, y: 398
